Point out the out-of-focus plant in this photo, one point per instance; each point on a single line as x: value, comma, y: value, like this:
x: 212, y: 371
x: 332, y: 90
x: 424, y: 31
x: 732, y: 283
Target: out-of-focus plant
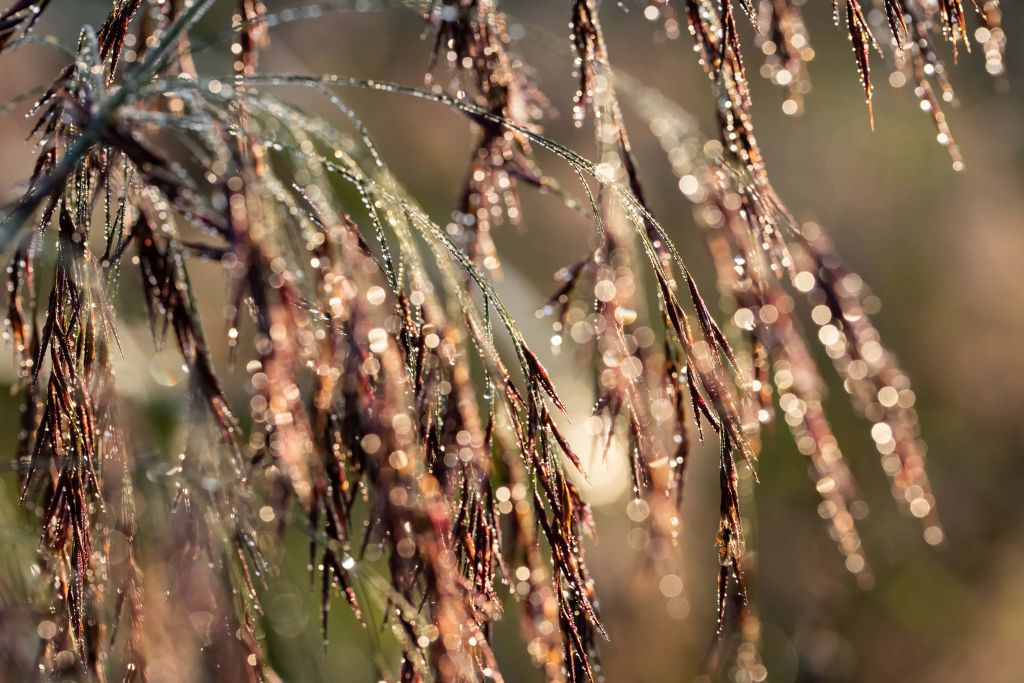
x: 394, y: 402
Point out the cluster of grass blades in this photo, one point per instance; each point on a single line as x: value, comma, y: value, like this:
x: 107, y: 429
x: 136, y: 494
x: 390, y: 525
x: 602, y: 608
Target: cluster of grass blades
x: 392, y: 409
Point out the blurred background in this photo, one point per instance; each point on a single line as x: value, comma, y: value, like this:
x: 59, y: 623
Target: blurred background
x: 943, y: 250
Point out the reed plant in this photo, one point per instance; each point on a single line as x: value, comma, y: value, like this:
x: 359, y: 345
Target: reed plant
x: 383, y: 401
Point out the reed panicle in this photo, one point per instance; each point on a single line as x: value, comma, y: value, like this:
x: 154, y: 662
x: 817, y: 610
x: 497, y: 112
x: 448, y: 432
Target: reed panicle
x: 394, y: 411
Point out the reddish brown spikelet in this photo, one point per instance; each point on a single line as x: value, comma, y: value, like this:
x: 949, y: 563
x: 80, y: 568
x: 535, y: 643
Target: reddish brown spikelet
x: 863, y: 41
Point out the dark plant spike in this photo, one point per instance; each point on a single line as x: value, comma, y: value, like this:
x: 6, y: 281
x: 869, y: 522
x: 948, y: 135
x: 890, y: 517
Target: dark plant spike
x: 113, y: 33
x: 20, y: 15
x: 473, y: 39
x: 895, y: 12
x: 954, y: 24
x: 863, y: 41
